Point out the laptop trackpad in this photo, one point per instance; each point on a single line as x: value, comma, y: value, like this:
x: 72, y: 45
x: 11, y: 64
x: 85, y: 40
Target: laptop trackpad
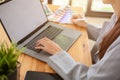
x: 64, y: 41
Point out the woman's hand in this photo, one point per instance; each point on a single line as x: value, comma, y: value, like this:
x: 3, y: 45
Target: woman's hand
x: 47, y: 45
x: 77, y: 19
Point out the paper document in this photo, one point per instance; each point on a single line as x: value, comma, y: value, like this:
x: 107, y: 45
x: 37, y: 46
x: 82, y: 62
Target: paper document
x: 62, y: 15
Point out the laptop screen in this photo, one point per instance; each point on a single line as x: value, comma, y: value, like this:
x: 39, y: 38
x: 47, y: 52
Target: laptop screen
x: 21, y: 17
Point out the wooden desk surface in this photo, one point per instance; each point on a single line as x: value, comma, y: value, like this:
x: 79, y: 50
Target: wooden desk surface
x: 80, y: 51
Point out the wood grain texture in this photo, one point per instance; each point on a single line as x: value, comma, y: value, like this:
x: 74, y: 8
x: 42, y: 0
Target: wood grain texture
x: 80, y: 50
x: 3, y: 36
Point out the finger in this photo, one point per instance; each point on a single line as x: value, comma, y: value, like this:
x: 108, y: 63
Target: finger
x: 73, y: 21
x: 41, y: 39
x: 39, y: 47
x: 75, y: 16
x: 43, y: 48
x: 47, y: 39
x: 40, y: 42
x: 37, y: 41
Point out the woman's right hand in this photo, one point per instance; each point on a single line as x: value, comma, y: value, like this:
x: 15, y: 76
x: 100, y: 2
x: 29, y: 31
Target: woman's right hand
x: 48, y: 46
x: 78, y: 19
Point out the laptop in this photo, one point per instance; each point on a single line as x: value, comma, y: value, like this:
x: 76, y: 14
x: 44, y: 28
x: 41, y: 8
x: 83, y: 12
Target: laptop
x: 25, y: 22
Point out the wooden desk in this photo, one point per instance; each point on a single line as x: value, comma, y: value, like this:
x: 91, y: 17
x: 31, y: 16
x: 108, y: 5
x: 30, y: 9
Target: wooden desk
x: 3, y: 36
x: 80, y: 51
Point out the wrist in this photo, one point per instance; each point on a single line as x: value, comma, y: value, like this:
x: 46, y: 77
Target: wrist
x: 57, y: 51
x: 81, y: 23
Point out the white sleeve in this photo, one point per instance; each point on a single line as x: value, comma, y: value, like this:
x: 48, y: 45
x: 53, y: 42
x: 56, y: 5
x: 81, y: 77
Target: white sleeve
x: 106, y: 69
x: 93, y: 32
x: 66, y: 67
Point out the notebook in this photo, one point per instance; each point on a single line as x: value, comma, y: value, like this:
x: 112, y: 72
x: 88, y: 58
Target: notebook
x: 34, y: 75
x: 25, y: 20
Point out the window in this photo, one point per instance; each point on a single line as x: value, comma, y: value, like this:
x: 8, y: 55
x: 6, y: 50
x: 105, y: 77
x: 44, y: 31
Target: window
x: 92, y: 7
x: 79, y: 3
x: 98, y: 9
x: 58, y: 2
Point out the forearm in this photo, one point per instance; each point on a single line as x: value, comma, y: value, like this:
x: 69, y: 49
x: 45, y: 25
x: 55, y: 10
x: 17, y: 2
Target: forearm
x: 66, y: 67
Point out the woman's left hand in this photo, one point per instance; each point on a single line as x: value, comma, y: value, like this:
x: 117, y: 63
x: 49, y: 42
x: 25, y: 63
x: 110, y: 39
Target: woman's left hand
x: 48, y: 46
x: 77, y: 20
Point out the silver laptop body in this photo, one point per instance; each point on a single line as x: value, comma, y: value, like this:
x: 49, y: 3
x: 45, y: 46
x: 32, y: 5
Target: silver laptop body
x: 23, y: 20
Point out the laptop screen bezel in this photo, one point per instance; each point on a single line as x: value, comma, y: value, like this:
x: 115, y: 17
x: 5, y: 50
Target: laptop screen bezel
x: 31, y: 33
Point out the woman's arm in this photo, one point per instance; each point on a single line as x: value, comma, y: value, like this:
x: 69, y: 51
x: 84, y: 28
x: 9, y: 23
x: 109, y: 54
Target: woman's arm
x: 66, y: 67
x: 93, y: 32
x: 61, y: 61
x: 106, y: 69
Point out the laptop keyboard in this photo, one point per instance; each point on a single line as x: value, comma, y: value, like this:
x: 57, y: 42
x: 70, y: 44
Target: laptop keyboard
x: 50, y: 32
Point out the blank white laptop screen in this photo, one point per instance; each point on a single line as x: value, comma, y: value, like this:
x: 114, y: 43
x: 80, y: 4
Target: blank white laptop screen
x: 21, y: 18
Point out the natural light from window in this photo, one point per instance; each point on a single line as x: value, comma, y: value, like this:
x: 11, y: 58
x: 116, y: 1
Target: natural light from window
x: 97, y: 5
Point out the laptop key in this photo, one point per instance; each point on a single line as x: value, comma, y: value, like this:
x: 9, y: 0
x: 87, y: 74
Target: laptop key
x: 50, y: 32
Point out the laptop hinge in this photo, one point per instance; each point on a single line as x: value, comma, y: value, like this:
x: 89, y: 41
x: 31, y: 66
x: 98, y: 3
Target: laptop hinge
x: 30, y: 34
